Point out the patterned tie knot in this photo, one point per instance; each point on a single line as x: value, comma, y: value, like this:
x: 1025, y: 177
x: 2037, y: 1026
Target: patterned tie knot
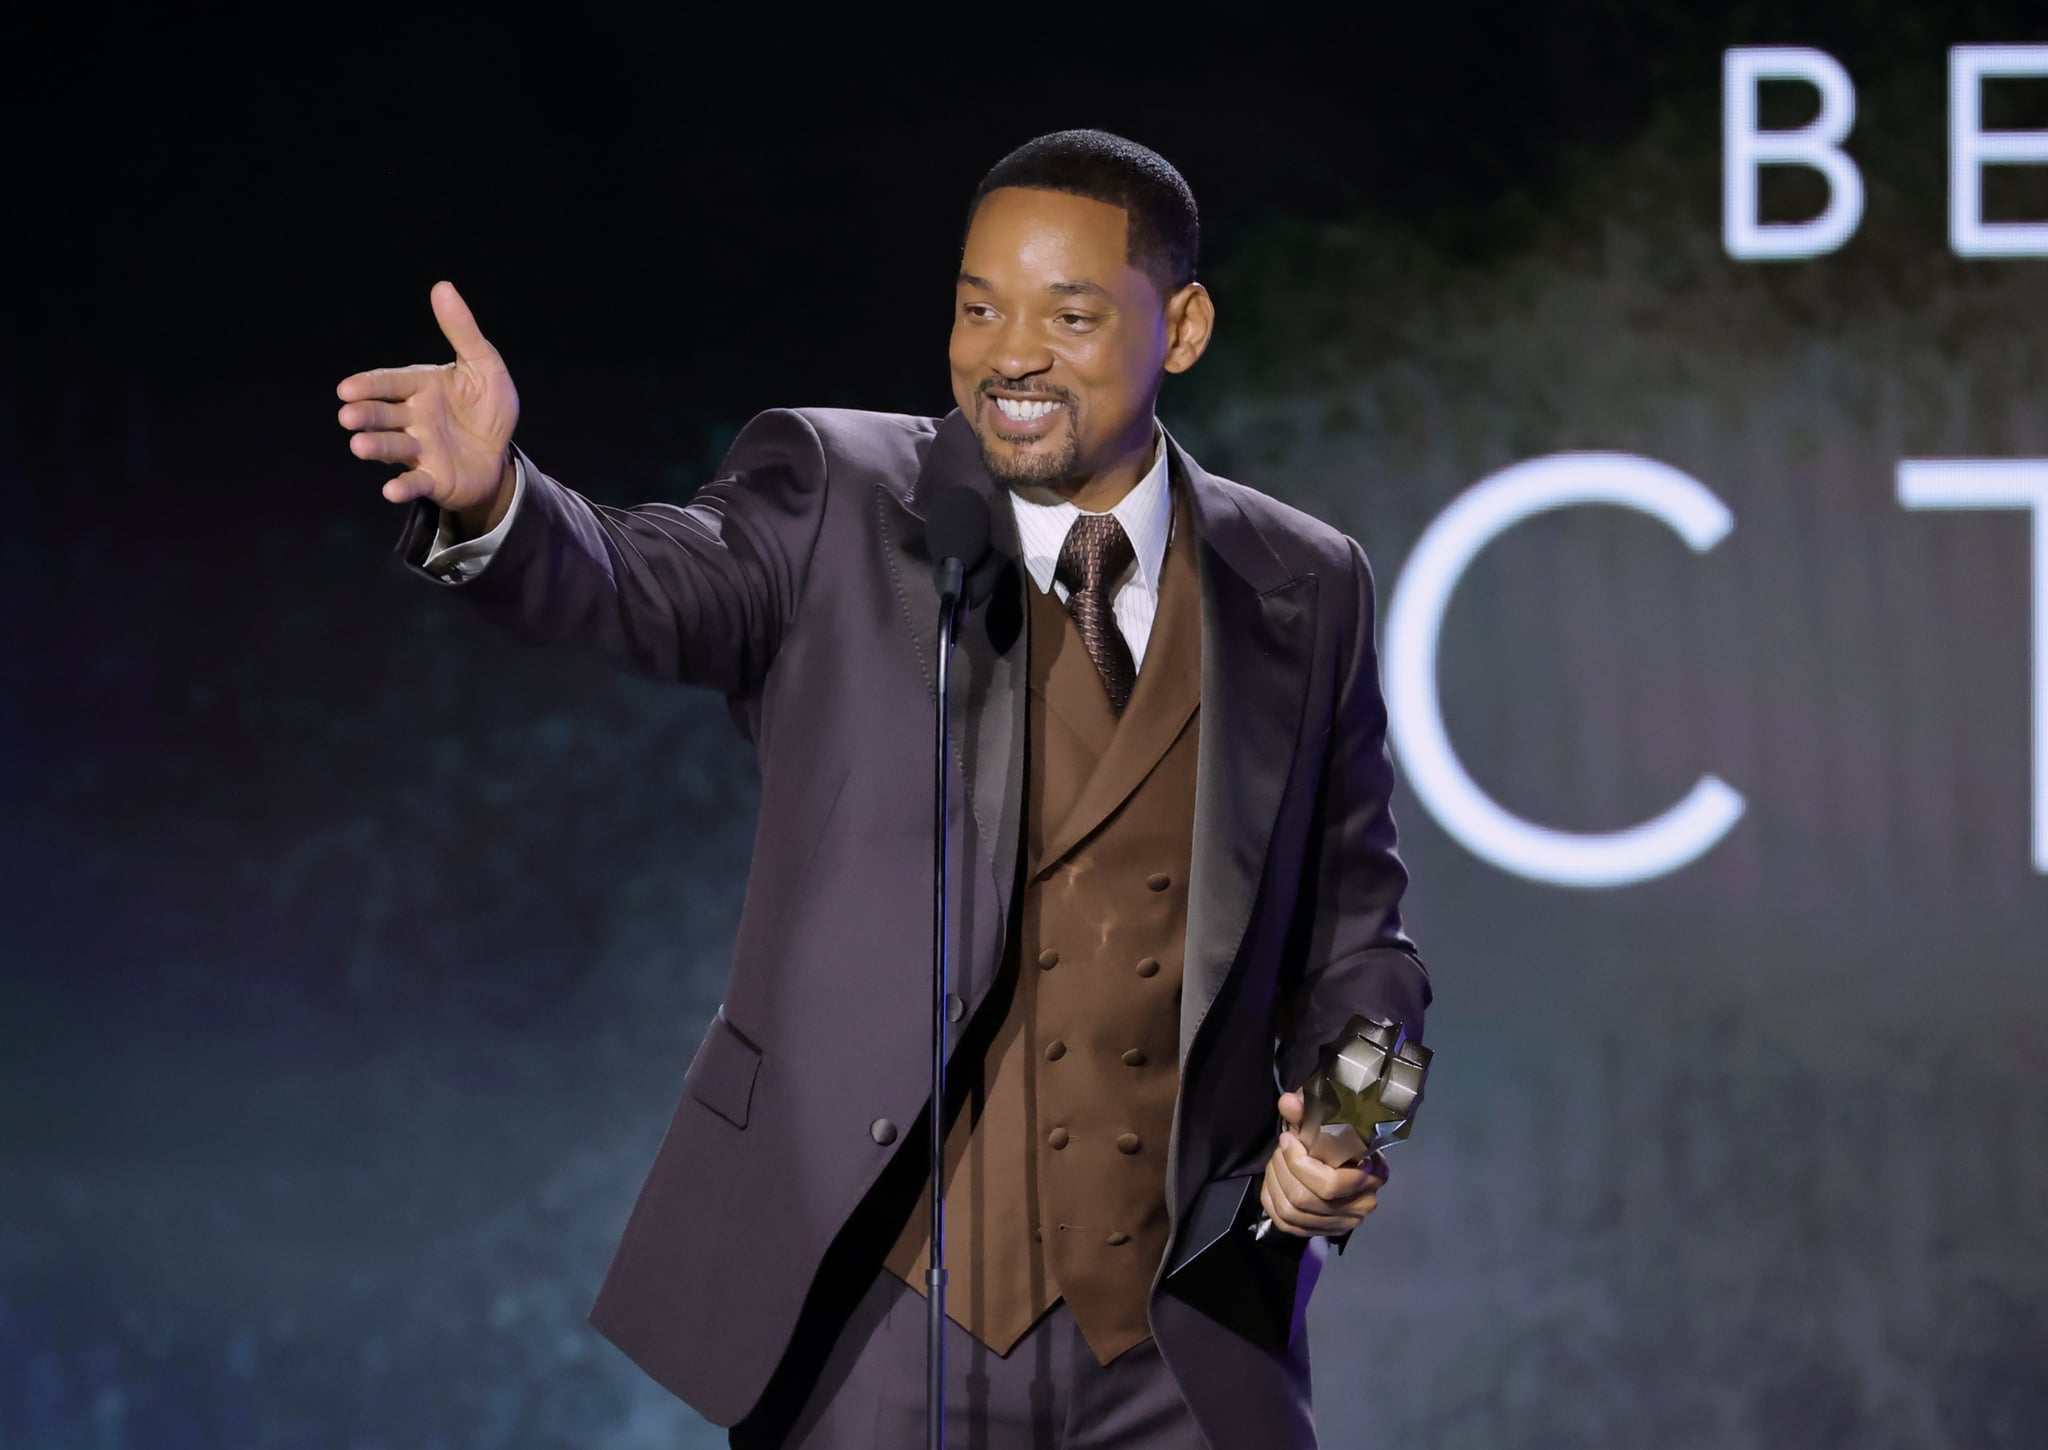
x: 1096, y: 551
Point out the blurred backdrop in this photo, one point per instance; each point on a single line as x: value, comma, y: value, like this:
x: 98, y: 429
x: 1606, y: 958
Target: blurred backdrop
x: 351, y: 955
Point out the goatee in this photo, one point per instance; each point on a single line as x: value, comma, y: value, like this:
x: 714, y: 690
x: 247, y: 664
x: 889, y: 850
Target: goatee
x: 1042, y: 461
x: 1030, y: 467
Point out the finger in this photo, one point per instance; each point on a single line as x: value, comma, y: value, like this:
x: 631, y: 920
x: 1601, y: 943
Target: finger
x: 385, y: 447
x: 1325, y: 1223
x: 1331, y: 1223
x: 395, y: 416
x: 1307, y: 1213
x: 394, y: 384
x: 1303, y: 1224
x: 409, y: 486
x: 1314, y: 1185
x: 1280, y: 1173
x: 458, y: 324
x: 1282, y: 1218
x: 1291, y: 1107
x: 1337, y: 1183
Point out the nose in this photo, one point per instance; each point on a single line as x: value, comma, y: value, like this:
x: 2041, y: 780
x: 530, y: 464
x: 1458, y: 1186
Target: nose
x: 1018, y: 350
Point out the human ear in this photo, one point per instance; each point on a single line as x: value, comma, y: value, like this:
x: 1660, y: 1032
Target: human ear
x: 1190, y: 318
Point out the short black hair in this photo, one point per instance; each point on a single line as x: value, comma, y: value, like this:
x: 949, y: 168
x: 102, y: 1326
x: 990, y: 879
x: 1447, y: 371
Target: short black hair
x: 1165, y: 230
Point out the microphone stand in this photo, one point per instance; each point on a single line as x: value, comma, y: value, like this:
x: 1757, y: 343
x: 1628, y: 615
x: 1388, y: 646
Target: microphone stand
x: 950, y: 587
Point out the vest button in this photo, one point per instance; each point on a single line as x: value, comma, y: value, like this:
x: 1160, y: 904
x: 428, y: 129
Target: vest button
x: 1134, y: 1058
x: 956, y: 1008
x: 1055, y: 1050
x: 1159, y: 881
x: 1057, y: 1137
x: 1149, y: 967
x: 1126, y: 1142
x: 1048, y: 959
x: 1119, y: 1237
x: 882, y: 1131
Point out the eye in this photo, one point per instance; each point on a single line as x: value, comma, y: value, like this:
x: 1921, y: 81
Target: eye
x: 1074, y: 321
x: 977, y: 309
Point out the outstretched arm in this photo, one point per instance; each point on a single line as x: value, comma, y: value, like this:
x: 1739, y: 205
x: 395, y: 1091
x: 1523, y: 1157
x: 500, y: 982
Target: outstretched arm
x: 700, y: 593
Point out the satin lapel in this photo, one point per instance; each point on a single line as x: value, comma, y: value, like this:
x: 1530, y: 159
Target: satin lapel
x: 1258, y: 626
x: 1161, y: 702
x: 989, y: 659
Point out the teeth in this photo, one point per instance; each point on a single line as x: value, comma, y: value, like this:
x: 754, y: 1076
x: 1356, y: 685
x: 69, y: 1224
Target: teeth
x: 1021, y: 412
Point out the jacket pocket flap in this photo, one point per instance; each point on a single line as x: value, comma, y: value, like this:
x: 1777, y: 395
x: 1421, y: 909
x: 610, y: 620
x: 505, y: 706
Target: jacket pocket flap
x: 721, y: 1075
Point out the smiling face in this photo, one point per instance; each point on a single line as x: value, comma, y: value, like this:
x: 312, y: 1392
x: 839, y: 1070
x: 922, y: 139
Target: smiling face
x: 1059, y: 344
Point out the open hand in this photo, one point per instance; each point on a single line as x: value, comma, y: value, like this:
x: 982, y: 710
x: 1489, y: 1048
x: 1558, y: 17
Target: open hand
x: 1304, y: 1195
x: 449, y: 425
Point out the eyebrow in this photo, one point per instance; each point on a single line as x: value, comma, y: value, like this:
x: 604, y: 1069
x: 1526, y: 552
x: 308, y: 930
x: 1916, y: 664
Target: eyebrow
x: 1058, y: 289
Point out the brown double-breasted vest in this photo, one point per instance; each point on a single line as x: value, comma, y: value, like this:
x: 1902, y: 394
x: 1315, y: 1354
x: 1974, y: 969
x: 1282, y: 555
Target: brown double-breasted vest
x: 1055, y: 1175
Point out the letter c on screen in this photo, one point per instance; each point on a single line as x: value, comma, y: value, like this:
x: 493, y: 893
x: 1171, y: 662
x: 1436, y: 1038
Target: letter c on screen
x: 1415, y: 722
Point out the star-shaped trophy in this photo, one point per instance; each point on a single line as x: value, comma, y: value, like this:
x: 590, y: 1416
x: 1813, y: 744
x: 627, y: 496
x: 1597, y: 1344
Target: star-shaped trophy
x: 1232, y: 1264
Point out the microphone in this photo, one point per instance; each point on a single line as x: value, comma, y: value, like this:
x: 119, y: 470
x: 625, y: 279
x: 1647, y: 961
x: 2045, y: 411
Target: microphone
x: 957, y: 533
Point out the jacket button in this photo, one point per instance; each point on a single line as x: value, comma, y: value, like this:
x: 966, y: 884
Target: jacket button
x: 1048, y: 959
x: 1126, y: 1142
x: 956, y: 1008
x: 1054, y: 1051
x: 1057, y: 1137
x: 882, y: 1131
x: 1134, y: 1058
x: 1119, y: 1237
x: 1149, y: 967
x: 1159, y: 881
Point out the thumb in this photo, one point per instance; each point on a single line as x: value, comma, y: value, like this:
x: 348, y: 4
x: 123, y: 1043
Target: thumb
x: 458, y: 324
x: 1291, y: 1108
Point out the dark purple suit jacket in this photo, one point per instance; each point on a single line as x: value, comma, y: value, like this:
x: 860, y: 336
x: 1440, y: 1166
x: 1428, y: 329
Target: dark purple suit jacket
x: 797, y: 584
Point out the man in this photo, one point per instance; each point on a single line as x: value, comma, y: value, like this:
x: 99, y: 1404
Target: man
x: 1178, y: 877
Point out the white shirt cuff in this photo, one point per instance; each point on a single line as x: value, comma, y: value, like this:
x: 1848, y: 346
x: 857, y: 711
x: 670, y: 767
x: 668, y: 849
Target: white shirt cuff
x: 456, y: 560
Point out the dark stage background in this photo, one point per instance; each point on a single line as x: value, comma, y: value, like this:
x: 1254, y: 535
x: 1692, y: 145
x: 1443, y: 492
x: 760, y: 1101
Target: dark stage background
x: 353, y: 955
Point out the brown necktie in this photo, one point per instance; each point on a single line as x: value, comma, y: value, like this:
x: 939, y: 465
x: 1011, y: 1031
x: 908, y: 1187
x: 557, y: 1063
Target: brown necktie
x: 1096, y: 551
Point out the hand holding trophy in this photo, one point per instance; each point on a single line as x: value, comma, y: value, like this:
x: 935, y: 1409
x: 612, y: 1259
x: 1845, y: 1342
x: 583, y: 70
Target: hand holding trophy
x: 1229, y: 1262
x: 1361, y: 1097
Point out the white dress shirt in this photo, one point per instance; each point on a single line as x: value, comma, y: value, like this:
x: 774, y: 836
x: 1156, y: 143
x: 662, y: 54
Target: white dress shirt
x: 1146, y: 513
